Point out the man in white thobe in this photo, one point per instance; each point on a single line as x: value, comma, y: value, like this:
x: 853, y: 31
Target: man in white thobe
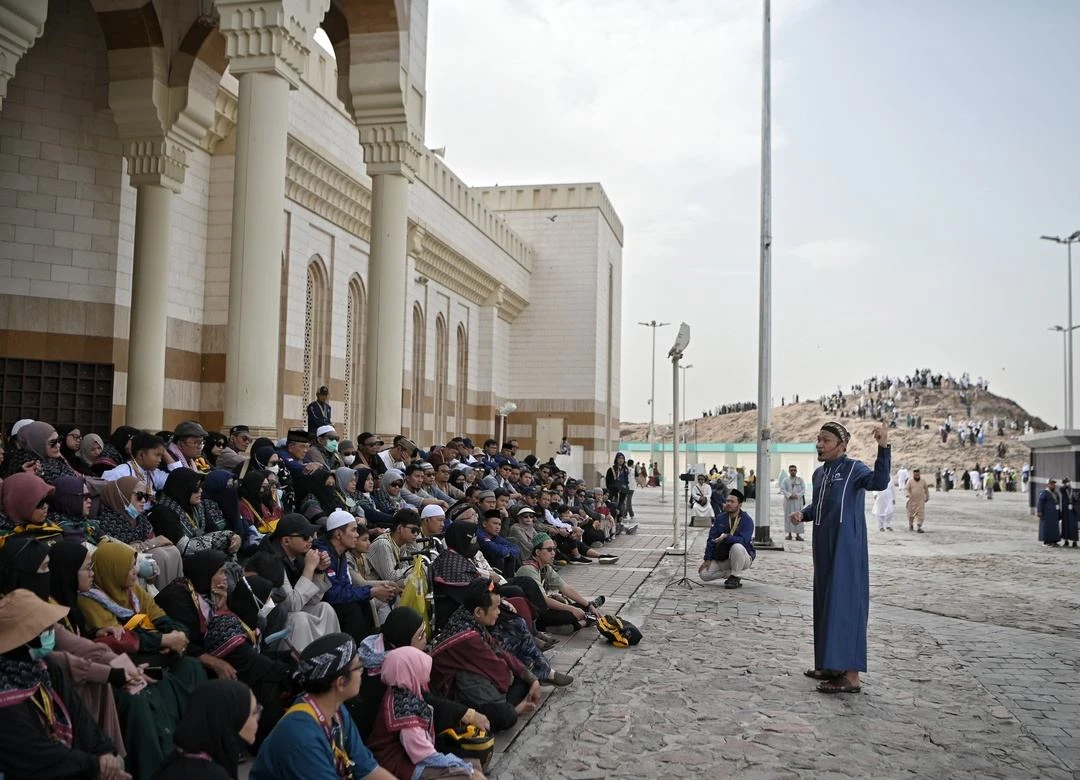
x: 793, y: 489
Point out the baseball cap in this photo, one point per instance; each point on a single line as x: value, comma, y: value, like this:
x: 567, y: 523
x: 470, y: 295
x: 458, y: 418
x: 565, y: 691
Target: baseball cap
x: 236, y: 429
x: 324, y: 390
x: 293, y: 524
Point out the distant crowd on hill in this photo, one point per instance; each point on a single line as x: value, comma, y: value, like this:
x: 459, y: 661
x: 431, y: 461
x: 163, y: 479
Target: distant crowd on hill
x: 739, y: 406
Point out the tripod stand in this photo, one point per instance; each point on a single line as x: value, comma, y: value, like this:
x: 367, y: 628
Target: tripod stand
x: 685, y: 581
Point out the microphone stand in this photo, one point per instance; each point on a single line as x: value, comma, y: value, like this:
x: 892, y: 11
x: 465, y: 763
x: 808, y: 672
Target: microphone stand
x: 685, y: 581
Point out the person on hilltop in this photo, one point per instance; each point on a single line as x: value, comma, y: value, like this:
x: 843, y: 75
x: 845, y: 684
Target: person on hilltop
x: 841, y: 557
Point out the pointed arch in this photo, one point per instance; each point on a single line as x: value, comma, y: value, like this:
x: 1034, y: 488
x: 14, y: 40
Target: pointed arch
x: 419, y: 355
x: 442, y: 376
x: 355, y: 339
x: 461, y: 402
x: 316, y: 329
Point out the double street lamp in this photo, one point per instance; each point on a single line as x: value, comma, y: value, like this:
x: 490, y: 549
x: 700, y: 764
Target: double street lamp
x: 1066, y: 334
x: 1068, y: 242
x: 652, y: 397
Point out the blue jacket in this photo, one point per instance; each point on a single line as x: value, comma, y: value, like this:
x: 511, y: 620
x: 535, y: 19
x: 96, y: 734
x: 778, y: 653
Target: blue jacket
x: 496, y: 546
x: 743, y: 535
x: 342, y: 590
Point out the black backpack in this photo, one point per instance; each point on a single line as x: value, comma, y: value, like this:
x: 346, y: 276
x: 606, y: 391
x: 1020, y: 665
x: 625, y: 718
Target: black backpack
x: 619, y: 632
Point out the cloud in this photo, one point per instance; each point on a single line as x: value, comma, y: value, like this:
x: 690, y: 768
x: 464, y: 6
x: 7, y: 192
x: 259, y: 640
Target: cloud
x: 833, y: 254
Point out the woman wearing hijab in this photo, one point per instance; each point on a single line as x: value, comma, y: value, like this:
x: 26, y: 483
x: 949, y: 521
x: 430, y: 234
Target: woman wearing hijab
x: 69, y: 508
x: 123, y: 518
x: 213, y: 447
x: 118, y: 448
x: 179, y: 516
x: 42, y: 440
x: 47, y: 732
x: 388, y: 497
x: 318, y: 494
x: 221, y: 504
x: 365, y: 500
x: 403, y: 627
x: 403, y: 740
x: 259, y: 507
x: 92, y: 667
x: 222, y: 715
x: 70, y: 441
x: 347, y: 487
x: 90, y: 449
x: 24, y: 497
x: 220, y: 640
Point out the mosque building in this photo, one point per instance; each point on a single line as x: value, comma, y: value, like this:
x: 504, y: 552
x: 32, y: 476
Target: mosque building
x: 204, y: 215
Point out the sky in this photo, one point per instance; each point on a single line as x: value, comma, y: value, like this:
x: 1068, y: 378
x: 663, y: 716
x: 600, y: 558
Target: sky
x: 919, y: 151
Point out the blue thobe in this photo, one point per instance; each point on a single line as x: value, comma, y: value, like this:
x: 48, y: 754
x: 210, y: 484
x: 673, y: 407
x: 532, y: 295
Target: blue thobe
x: 1049, y: 517
x: 841, y: 558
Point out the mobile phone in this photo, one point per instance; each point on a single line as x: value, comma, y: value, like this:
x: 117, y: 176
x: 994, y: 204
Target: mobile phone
x: 154, y: 672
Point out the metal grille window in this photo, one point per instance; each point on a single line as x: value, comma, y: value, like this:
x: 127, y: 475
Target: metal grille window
x: 57, y: 392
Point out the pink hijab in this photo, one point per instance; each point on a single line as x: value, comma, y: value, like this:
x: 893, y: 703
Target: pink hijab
x: 408, y: 668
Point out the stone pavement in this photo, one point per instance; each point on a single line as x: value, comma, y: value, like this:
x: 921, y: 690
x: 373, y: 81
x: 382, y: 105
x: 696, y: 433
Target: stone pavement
x: 974, y: 651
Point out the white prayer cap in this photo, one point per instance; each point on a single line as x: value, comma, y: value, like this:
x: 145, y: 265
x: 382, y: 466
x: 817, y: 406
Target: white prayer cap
x: 325, y: 429
x: 432, y: 510
x: 339, y: 518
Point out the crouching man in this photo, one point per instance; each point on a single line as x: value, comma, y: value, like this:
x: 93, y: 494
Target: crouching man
x: 730, y: 549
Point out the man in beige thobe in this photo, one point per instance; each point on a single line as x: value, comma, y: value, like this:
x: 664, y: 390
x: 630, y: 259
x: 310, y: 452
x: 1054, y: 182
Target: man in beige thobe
x: 918, y: 493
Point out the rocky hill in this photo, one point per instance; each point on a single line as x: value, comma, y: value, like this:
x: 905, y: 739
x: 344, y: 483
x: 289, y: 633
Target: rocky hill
x: 911, y: 446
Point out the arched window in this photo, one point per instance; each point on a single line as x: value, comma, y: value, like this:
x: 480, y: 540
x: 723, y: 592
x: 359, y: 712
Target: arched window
x: 461, y: 403
x: 442, y: 378
x: 316, y: 331
x: 419, y: 355
x: 355, y: 338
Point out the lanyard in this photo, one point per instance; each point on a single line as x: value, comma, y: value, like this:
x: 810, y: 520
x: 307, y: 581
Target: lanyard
x: 342, y: 762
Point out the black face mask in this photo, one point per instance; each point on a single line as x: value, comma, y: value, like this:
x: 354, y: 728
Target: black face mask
x: 38, y: 584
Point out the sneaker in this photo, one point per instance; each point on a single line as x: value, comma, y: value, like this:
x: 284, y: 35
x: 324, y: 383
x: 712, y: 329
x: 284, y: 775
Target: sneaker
x: 920, y: 530
x: 544, y: 644
x: 732, y: 582
x: 558, y: 679
x: 788, y: 537
x: 608, y: 559
x: 798, y: 538
x: 631, y: 530
x: 598, y: 601
x: 580, y: 561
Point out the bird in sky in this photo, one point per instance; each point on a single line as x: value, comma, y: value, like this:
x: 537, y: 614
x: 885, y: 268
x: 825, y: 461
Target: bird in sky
x: 553, y: 217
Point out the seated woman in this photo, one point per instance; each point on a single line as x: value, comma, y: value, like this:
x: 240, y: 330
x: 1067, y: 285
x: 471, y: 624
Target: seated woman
x: 69, y: 508
x: 365, y: 499
x: 70, y: 441
x: 24, y: 498
x: 123, y: 518
x: 259, y: 507
x: 221, y: 502
x: 403, y: 740
x: 116, y: 450
x: 318, y: 494
x: 47, y: 732
x: 89, y: 451
x: 471, y: 667
x: 388, y: 497
x: 403, y: 627
x: 220, y: 640
x: 179, y: 516
x: 346, y: 487
x: 42, y: 440
x: 222, y: 717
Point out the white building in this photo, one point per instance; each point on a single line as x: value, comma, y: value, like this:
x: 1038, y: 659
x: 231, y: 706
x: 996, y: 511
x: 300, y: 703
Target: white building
x: 203, y: 215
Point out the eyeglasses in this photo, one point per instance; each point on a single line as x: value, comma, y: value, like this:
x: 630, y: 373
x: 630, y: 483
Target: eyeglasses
x: 414, y: 528
x: 140, y: 496
x: 75, y: 436
x: 546, y: 549
x: 53, y: 442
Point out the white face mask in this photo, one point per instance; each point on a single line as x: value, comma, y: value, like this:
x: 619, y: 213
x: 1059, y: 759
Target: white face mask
x: 267, y: 608
x: 350, y: 459
x: 273, y: 469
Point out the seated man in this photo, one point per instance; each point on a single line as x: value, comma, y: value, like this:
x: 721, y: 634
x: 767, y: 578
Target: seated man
x: 317, y: 737
x: 390, y: 556
x: 564, y: 605
x: 413, y: 492
x: 350, y: 601
x: 500, y: 552
x: 471, y: 667
x: 730, y: 549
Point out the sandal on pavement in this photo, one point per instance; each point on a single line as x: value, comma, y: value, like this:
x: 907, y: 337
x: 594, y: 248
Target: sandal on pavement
x: 823, y: 674
x: 839, y: 685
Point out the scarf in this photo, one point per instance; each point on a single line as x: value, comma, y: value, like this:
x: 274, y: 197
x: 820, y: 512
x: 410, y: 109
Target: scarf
x: 192, y: 519
x: 22, y: 681
x: 406, y: 672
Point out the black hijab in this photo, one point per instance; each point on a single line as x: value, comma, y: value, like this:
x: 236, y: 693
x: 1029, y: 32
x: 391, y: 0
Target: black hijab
x: 20, y: 559
x: 201, y: 567
x: 400, y: 626
x: 120, y: 438
x: 65, y: 560
x: 262, y: 452
x: 362, y: 474
x: 68, y: 454
x: 182, y: 482
x: 461, y: 538
x: 250, y: 489
x: 215, y: 713
x: 246, y: 600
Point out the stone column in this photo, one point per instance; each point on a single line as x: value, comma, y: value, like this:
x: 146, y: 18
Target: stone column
x: 267, y: 44
x: 156, y: 168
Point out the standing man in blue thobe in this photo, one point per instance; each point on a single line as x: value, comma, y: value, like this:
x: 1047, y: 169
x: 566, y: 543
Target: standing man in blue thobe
x: 841, y: 559
x: 1048, y: 510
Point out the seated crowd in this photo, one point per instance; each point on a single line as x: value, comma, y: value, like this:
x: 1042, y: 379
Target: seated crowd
x: 173, y: 602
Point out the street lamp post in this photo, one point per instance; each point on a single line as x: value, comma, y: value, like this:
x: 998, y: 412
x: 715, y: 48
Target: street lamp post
x: 652, y: 397
x: 685, y: 368
x: 1068, y: 242
x: 1065, y: 339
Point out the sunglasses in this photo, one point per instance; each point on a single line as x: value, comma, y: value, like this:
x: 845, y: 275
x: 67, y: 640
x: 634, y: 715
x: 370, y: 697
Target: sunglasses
x: 53, y: 442
x: 140, y: 496
x: 305, y: 537
x: 397, y: 484
x: 414, y: 528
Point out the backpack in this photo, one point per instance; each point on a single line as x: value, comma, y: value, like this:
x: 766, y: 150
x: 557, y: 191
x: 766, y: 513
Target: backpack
x: 470, y: 742
x: 620, y: 633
